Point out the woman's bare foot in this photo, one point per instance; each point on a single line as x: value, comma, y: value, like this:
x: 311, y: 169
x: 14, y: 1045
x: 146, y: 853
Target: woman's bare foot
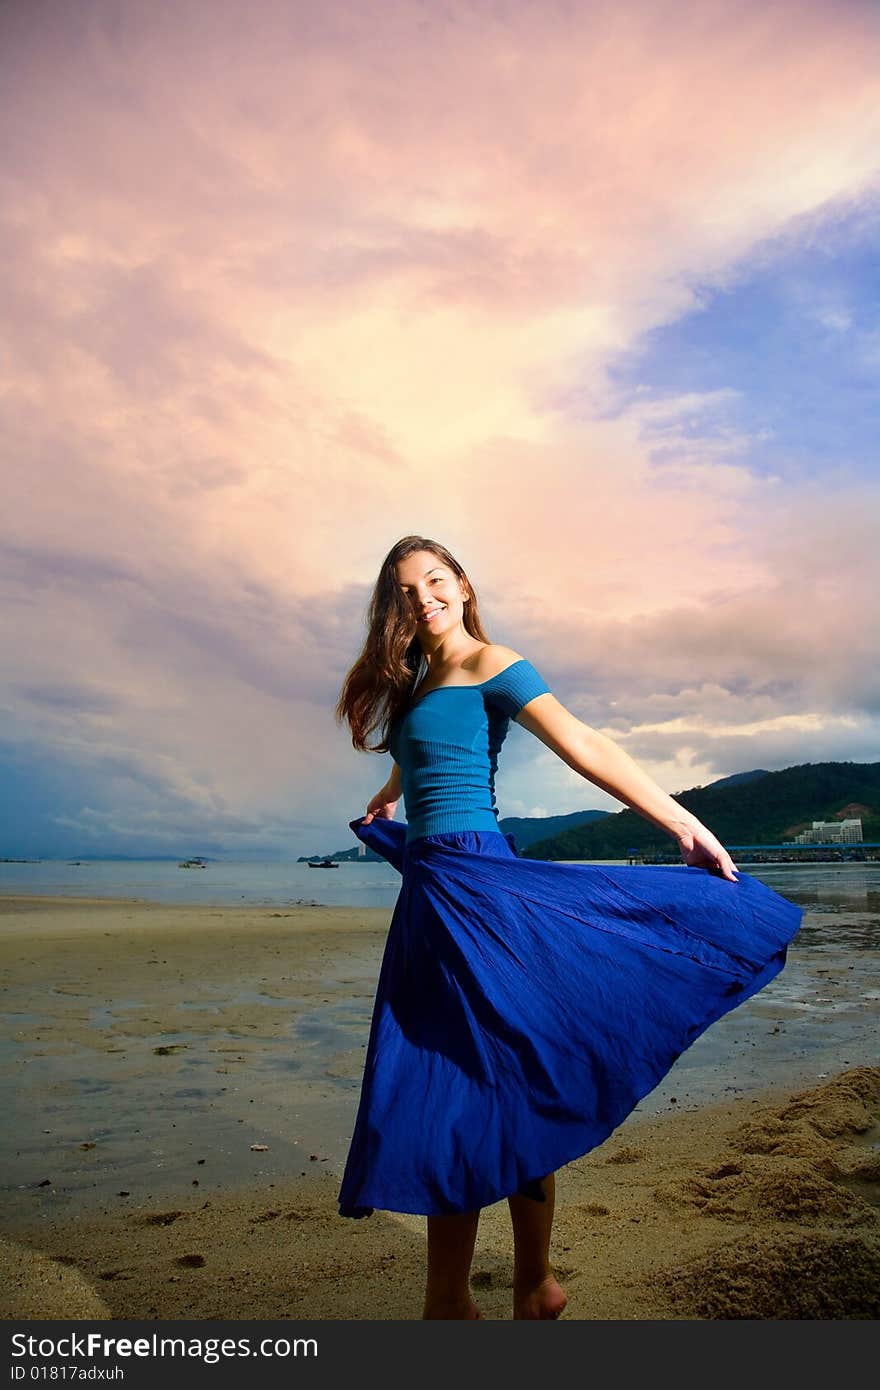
x: 466, y: 1310
x: 544, y: 1300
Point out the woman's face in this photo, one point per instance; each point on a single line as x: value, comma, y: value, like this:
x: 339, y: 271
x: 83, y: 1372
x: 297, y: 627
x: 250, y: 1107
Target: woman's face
x: 433, y: 591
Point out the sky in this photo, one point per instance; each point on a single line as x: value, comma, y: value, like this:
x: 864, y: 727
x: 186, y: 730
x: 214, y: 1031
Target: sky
x: 586, y: 292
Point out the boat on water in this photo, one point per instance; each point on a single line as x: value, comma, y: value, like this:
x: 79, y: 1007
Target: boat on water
x: 323, y: 864
x: 196, y: 862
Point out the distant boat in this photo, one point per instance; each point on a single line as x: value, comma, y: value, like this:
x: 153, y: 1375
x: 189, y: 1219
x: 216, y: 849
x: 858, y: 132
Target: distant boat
x: 197, y: 862
x: 323, y: 864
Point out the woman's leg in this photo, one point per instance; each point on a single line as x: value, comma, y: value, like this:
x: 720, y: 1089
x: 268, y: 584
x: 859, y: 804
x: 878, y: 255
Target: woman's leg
x: 536, y: 1294
x: 451, y: 1242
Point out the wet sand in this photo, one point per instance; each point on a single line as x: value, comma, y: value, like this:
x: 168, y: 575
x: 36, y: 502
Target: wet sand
x: 179, y: 1086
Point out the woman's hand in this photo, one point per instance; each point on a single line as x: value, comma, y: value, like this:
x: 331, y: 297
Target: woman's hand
x: 382, y: 806
x: 607, y: 765
x: 700, y: 848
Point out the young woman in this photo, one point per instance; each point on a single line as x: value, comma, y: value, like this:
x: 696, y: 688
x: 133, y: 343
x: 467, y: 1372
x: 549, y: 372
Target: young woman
x: 524, y: 1006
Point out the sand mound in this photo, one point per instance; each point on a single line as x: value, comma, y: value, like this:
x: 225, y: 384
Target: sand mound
x: 799, y: 1164
x: 796, y: 1162
x: 814, y: 1122
x: 626, y: 1154
x: 778, y: 1188
x: 816, y: 1275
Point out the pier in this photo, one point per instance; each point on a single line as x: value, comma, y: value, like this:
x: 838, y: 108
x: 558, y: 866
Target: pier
x: 833, y: 853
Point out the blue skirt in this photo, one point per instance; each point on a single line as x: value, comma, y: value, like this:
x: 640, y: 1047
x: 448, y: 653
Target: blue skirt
x: 524, y: 1007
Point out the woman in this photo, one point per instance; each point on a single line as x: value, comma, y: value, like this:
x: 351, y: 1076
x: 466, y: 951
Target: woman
x: 523, y: 1007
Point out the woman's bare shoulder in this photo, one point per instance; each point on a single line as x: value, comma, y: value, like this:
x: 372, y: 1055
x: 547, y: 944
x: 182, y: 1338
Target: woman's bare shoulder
x: 494, y: 658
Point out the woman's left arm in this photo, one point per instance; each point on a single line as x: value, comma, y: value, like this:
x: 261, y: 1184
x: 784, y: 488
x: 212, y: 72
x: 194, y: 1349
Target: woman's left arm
x: 606, y: 765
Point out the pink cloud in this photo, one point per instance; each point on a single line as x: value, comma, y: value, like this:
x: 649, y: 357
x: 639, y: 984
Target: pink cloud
x: 287, y: 281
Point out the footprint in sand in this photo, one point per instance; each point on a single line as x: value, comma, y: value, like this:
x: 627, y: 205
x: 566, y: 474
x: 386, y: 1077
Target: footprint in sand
x: 158, y: 1218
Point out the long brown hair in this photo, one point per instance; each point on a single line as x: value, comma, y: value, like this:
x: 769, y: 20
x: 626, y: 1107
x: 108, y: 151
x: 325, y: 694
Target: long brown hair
x: 380, y: 683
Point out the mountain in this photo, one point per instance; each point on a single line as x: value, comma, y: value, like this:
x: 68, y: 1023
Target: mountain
x: 751, y: 808
x: 526, y: 830
x: 736, y: 777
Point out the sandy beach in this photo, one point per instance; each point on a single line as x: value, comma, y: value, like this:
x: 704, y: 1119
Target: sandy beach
x: 179, y: 1085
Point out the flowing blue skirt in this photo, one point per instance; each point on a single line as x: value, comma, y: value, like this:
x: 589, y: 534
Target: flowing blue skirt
x: 524, y: 1007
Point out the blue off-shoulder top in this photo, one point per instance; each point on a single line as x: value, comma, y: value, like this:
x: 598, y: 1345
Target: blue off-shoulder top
x: 447, y: 744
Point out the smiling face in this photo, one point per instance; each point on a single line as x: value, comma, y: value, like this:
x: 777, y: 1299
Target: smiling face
x: 433, y: 591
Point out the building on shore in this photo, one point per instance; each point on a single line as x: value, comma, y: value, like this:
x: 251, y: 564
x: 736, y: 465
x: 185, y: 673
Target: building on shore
x: 832, y: 832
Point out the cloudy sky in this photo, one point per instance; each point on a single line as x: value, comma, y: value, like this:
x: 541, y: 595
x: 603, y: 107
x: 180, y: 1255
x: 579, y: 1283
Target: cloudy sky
x: 588, y: 292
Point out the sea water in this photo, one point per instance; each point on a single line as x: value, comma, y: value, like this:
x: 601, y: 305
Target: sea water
x: 357, y: 883
x: 224, y: 882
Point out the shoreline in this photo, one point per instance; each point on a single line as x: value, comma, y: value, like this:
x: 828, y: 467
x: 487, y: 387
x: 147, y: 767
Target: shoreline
x: 368, y: 891
x: 180, y: 1086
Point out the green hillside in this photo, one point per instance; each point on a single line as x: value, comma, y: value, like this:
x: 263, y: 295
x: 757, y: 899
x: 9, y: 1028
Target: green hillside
x: 767, y: 808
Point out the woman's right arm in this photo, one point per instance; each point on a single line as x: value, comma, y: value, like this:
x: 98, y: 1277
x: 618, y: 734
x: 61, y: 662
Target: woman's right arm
x: 384, y: 803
